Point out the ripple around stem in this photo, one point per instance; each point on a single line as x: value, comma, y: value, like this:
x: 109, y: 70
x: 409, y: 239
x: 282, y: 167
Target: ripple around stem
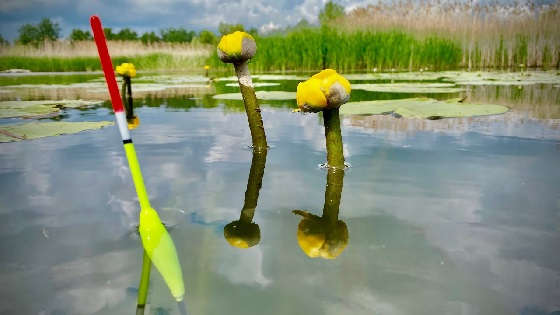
x: 325, y: 165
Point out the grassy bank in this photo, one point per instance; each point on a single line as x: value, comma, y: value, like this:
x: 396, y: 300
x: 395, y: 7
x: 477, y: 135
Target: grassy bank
x: 405, y: 35
x: 157, y: 61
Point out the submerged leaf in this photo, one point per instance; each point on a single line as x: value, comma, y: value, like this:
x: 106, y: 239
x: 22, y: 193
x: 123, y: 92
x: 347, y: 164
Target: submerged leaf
x: 34, y: 130
x: 409, y: 87
x: 38, y: 108
x: 422, y: 108
x: 262, y: 95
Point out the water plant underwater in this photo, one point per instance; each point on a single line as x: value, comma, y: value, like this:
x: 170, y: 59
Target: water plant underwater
x: 128, y: 71
x: 238, y: 48
x: 158, y: 245
x: 244, y: 233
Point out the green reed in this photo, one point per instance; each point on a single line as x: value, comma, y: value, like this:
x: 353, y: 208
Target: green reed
x: 157, y: 61
x: 318, y: 48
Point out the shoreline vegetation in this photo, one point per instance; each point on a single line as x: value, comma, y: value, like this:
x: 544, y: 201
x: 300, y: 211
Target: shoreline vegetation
x: 401, y: 36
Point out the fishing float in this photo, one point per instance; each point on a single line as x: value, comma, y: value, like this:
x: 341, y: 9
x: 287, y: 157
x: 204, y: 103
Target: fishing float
x: 157, y: 242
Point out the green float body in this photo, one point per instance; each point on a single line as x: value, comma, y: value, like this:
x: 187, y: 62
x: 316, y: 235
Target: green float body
x: 156, y: 240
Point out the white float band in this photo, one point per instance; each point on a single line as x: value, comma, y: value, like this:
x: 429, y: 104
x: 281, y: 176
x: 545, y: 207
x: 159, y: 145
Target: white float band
x: 123, y: 125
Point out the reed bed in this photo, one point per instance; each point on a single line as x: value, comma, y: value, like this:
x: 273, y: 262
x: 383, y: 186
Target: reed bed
x: 326, y: 47
x: 491, y: 34
x: 65, y: 48
x: 157, y: 61
x: 82, y: 56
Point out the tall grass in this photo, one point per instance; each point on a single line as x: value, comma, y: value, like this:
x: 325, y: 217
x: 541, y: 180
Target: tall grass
x: 157, y: 61
x: 490, y: 34
x: 82, y: 56
x: 326, y: 47
x: 66, y: 48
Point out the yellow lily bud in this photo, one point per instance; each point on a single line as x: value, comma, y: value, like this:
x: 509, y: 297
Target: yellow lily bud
x: 326, y: 89
x: 133, y: 123
x: 126, y: 69
x: 236, y: 47
x: 160, y: 248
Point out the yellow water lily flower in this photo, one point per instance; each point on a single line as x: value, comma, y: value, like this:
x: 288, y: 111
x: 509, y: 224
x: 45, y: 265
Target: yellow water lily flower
x: 206, y: 67
x: 133, y: 123
x: 326, y: 89
x: 126, y: 69
x: 236, y: 47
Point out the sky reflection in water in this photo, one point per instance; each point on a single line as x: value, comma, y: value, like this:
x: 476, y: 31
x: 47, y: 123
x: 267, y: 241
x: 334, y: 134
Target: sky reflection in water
x: 441, y: 220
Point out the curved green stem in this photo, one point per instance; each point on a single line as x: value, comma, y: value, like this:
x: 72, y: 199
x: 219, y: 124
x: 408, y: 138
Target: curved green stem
x: 129, y: 104
x: 251, y: 107
x: 333, y: 193
x: 254, y: 184
x: 335, y: 154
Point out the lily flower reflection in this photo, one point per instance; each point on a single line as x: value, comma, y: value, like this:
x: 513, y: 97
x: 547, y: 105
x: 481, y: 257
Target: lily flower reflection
x: 244, y: 233
x: 326, y: 236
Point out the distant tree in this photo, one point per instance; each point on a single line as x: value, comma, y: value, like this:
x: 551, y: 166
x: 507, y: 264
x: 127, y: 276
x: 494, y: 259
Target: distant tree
x: 79, y: 35
x: 35, y: 34
x: 3, y: 41
x: 109, y: 35
x: 28, y: 34
x: 225, y: 28
x: 126, y: 34
x: 207, y: 37
x: 48, y: 30
x: 330, y: 12
x: 253, y: 31
x: 177, y: 35
x: 149, y: 38
x: 303, y: 23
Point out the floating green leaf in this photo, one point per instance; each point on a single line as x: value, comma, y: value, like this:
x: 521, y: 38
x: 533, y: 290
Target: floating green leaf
x: 404, y: 76
x: 465, y: 77
x: 501, y: 78
x: 38, y: 108
x: 422, y: 108
x: 280, y: 77
x: 34, y: 130
x: 262, y: 95
x: 255, y: 84
x: 409, y: 87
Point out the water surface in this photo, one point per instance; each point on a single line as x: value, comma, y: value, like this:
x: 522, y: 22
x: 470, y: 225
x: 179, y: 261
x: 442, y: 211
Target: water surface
x: 455, y: 216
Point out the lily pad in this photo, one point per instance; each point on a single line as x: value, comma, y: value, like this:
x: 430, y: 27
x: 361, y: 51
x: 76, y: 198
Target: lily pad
x: 405, y: 76
x: 34, y: 130
x: 465, y: 77
x: 261, y: 95
x: 31, y: 109
x: 409, y: 87
x: 255, y: 84
x: 501, y: 78
x: 280, y: 77
x: 422, y: 108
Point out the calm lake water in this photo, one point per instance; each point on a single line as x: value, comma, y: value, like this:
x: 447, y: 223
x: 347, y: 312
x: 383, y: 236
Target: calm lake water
x: 452, y: 216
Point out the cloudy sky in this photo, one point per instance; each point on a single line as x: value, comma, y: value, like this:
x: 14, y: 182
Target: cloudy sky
x: 144, y: 15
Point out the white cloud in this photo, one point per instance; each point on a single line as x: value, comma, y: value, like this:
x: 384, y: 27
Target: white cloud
x: 265, y: 28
